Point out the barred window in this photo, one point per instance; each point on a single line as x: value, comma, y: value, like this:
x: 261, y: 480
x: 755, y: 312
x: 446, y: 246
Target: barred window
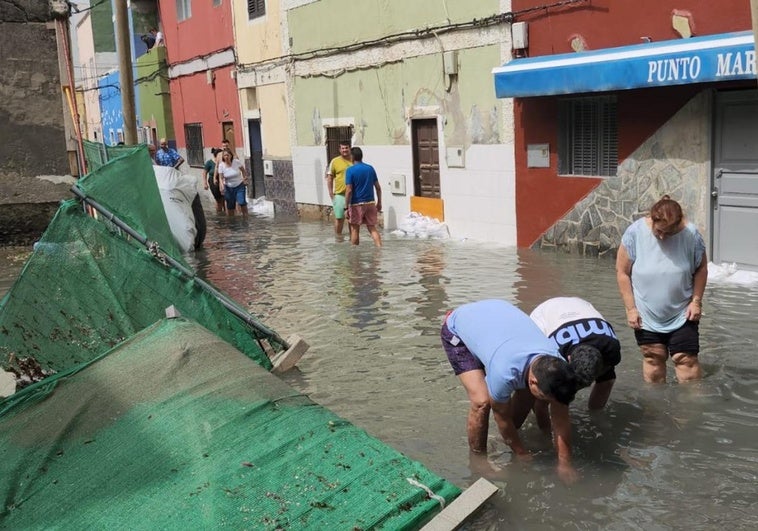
x: 588, y: 136
x: 335, y: 136
x: 193, y: 134
x: 256, y: 8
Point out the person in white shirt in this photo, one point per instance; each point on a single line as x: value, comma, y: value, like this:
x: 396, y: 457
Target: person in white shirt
x: 232, y: 183
x: 584, y: 339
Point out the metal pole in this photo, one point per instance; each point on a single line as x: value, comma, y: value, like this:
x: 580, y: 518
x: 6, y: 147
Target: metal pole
x: 124, y: 49
x: 223, y: 299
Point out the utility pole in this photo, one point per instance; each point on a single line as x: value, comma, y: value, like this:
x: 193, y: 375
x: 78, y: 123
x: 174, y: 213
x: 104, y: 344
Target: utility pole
x: 124, y: 49
x: 754, y: 13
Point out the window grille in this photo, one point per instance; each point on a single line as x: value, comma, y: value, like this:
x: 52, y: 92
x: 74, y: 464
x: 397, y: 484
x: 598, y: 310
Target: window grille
x: 256, y: 8
x: 588, y: 136
x: 193, y: 134
x: 335, y: 136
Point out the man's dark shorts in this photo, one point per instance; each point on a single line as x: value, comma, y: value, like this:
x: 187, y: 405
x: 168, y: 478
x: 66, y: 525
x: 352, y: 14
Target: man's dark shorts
x: 460, y: 357
x: 684, y: 340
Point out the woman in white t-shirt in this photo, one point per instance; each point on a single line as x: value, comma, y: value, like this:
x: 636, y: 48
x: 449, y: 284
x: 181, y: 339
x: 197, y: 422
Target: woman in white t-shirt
x: 233, y: 183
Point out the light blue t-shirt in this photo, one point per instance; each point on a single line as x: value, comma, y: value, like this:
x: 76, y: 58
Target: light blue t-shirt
x: 504, y: 339
x: 662, y: 273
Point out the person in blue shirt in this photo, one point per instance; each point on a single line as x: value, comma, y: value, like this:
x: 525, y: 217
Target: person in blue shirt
x: 168, y: 156
x: 362, y: 208
x: 505, y: 363
x: 661, y: 270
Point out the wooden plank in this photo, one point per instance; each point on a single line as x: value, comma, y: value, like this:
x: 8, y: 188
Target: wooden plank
x: 462, y: 507
x: 288, y: 359
x: 428, y: 206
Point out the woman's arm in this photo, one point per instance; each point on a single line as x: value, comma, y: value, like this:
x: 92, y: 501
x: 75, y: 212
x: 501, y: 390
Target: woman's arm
x: 624, y: 280
x: 699, y: 279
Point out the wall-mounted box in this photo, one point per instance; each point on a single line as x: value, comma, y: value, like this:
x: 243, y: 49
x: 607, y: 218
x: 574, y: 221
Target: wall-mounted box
x: 455, y: 157
x: 538, y: 156
x: 268, y: 167
x: 450, y: 62
x: 520, y: 35
x: 397, y: 184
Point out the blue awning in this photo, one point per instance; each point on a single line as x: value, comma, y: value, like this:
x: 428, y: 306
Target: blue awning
x: 722, y: 57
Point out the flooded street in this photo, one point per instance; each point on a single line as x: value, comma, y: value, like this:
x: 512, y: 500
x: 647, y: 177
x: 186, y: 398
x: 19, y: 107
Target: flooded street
x: 659, y: 457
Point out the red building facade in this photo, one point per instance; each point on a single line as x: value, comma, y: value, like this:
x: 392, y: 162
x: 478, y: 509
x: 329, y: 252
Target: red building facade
x: 555, y: 205
x: 199, y: 38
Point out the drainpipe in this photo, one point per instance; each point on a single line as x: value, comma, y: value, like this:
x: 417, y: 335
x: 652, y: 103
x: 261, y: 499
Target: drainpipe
x: 64, y: 36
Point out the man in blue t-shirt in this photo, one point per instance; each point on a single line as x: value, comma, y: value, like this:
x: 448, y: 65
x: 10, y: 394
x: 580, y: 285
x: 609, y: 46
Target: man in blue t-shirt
x: 168, y: 156
x: 506, y: 363
x: 360, y: 183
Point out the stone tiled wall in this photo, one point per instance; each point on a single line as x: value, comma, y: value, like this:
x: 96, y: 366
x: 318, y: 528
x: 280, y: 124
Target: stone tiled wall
x: 674, y: 161
x: 280, y: 188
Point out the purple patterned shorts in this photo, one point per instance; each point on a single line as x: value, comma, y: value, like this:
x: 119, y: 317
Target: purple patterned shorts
x: 458, y: 354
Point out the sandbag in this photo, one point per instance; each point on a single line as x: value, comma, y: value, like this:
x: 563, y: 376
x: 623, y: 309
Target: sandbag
x: 178, y: 191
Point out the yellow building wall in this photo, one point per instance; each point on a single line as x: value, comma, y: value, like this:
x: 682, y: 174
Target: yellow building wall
x: 258, y: 39
x: 274, y: 120
x: 259, y: 45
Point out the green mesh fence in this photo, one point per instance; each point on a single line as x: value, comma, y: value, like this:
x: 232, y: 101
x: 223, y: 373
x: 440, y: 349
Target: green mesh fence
x: 127, y: 188
x: 85, y: 289
x: 98, y: 154
x: 95, y: 154
x: 175, y: 429
x: 89, y: 285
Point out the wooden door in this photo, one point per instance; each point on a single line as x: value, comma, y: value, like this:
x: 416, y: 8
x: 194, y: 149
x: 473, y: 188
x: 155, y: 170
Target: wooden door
x: 426, y: 158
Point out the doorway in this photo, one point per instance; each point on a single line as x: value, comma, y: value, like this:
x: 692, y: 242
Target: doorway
x: 227, y: 131
x: 426, y: 158
x: 258, y: 181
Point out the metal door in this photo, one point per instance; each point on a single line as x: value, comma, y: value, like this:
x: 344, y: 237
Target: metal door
x: 256, y: 159
x: 426, y: 158
x: 735, y: 179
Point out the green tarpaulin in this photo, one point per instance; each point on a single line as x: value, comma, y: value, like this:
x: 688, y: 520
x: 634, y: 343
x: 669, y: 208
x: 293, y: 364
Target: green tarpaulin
x: 175, y: 429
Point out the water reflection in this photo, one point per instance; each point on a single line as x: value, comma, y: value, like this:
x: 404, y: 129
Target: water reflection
x: 659, y: 457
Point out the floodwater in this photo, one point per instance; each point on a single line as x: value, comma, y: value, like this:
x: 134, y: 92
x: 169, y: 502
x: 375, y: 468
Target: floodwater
x: 658, y: 457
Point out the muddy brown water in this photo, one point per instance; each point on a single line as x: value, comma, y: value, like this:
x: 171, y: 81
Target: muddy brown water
x: 658, y: 457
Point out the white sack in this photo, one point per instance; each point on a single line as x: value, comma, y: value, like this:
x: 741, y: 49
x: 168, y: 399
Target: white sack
x: 177, y: 193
